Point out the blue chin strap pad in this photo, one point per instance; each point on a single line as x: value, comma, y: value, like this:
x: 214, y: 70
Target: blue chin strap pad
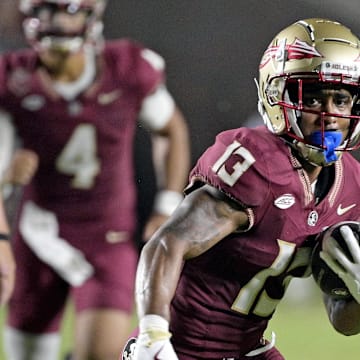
x: 332, y: 139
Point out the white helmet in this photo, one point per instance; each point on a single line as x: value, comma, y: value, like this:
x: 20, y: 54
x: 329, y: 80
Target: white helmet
x: 315, y: 51
x: 42, y: 36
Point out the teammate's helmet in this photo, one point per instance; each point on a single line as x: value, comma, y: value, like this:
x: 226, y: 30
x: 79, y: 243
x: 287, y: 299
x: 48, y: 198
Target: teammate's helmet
x: 314, y: 51
x: 42, y: 35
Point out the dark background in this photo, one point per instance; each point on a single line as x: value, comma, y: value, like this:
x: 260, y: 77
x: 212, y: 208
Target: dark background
x: 213, y: 47
x: 212, y: 50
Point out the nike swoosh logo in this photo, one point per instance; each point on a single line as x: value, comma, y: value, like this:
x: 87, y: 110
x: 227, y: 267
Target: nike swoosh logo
x: 341, y: 211
x: 108, y: 98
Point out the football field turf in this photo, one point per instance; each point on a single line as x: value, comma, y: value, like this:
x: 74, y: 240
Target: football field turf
x: 302, y: 333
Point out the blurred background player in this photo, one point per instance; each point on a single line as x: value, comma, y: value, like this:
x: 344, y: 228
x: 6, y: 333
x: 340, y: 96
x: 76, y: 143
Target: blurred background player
x: 74, y: 100
x: 211, y: 277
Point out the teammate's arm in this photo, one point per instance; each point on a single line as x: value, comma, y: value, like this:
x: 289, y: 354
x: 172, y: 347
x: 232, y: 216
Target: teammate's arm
x: 172, y: 144
x: 171, y: 153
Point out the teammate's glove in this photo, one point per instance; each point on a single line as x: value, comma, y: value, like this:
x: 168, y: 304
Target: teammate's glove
x: 153, y: 342
x: 346, y: 268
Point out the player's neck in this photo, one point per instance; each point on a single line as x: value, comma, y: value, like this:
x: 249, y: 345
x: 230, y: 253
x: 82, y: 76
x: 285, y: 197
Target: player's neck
x: 312, y: 171
x: 63, y: 67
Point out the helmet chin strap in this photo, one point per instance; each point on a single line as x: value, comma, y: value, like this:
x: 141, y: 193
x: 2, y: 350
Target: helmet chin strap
x: 330, y: 139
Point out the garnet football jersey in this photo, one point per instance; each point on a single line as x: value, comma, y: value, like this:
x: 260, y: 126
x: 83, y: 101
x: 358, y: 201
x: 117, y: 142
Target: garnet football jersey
x: 226, y: 296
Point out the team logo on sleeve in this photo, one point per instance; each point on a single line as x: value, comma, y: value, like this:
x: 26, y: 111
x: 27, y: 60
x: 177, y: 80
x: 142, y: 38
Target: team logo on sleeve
x: 285, y: 201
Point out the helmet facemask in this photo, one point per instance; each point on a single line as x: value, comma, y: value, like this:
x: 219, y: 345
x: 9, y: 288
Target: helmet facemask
x: 323, y: 146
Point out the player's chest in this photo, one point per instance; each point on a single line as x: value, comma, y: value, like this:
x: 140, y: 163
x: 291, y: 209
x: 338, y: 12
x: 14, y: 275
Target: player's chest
x: 300, y: 209
x: 106, y: 100
x: 291, y: 216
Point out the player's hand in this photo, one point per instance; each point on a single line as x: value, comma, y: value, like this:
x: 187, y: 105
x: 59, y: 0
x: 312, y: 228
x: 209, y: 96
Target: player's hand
x: 159, y: 350
x: 348, y: 269
x: 153, y: 341
x: 7, y: 271
x: 22, y: 167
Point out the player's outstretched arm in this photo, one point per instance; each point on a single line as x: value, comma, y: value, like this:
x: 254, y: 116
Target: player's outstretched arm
x: 202, y: 220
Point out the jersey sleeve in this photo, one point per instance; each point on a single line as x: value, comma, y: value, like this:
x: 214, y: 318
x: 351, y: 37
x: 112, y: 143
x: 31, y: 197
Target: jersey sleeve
x: 141, y: 68
x: 234, y: 164
x: 156, y: 109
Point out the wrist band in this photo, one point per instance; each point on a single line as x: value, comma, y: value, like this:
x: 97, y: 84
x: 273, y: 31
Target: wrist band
x: 153, y: 321
x: 155, y: 327
x: 5, y: 237
x: 166, y: 201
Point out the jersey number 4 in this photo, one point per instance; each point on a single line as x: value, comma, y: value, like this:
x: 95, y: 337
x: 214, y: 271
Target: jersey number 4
x: 79, y: 157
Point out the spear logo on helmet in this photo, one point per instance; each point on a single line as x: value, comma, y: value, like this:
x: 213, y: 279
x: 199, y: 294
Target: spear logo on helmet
x: 296, y: 51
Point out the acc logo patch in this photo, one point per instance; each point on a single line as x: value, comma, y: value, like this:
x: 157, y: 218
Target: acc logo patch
x: 285, y: 201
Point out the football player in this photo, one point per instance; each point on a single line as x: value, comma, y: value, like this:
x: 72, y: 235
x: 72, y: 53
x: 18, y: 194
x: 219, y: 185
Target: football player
x: 74, y: 100
x: 211, y: 277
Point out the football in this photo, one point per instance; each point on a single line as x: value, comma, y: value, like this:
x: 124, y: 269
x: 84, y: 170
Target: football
x: 326, y: 279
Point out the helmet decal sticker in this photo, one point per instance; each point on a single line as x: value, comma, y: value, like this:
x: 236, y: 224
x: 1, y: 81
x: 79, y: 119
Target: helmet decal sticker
x: 296, y: 51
